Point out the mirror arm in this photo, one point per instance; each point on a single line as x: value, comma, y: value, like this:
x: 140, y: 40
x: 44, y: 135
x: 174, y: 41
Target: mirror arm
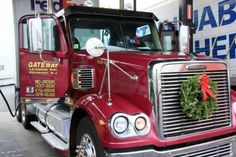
x: 134, y: 77
x: 109, y: 102
x: 102, y: 83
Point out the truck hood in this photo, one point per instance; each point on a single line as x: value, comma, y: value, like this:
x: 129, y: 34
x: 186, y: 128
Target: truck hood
x: 143, y: 59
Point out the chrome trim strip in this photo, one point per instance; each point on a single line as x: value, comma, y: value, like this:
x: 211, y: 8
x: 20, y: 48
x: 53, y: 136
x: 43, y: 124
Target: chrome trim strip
x: 38, y: 100
x: 181, y: 151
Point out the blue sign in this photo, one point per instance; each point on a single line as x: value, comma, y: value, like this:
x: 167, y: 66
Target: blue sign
x: 226, y: 16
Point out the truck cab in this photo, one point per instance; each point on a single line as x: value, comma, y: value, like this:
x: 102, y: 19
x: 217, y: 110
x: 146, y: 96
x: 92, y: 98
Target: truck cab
x: 120, y: 98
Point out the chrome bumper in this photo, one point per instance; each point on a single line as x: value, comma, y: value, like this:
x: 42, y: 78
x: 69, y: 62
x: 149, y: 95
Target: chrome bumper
x: 223, y: 147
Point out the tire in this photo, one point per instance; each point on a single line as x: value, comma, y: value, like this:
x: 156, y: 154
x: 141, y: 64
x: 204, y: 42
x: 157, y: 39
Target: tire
x: 18, y: 114
x: 88, y: 137
x: 26, y: 119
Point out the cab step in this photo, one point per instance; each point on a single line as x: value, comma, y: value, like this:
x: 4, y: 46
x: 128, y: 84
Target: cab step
x: 55, y: 142
x: 39, y: 127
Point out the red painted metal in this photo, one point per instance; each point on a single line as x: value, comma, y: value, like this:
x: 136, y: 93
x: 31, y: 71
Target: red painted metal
x: 128, y: 96
x: 131, y: 97
x: 45, y: 78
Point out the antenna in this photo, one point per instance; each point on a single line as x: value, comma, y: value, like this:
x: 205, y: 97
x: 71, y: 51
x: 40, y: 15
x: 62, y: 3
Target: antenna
x: 109, y: 102
x: 35, y: 12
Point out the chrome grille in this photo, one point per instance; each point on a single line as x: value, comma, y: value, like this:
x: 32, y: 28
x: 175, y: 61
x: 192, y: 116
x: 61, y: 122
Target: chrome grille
x: 223, y: 150
x: 173, y: 120
x: 85, y: 79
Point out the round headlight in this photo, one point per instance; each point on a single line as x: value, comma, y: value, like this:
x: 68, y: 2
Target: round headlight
x: 140, y: 123
x: 120, y: 124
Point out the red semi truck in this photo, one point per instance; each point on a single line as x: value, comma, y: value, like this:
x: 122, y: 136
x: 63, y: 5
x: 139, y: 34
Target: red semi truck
x: 124, y: 102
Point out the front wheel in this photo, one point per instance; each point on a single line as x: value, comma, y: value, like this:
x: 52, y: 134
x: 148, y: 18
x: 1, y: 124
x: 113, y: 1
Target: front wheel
x: 87, y: 141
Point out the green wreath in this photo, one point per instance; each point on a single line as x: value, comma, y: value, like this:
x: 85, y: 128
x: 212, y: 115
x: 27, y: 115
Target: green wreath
x: 197, y: 97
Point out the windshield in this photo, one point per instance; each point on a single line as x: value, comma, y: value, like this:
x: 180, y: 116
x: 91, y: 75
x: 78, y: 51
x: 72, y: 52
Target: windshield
x: 117, y: 35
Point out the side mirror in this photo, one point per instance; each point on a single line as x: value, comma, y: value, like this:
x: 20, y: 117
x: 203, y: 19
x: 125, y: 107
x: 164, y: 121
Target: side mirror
x: 184, y: 38
x: 95, y: 47
x: 168, y: 35
x: 35, y: 34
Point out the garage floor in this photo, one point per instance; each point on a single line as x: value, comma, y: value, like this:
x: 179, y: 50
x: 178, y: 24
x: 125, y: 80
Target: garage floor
x: 15, y: 141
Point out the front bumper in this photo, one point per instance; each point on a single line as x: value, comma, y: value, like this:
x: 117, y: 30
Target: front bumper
x: 225, y: 147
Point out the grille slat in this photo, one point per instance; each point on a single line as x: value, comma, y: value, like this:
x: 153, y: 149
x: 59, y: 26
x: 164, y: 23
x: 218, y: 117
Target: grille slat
x: 171, y: 105
x: 170, y: 77
x: 85, y: 78
x: 176, y: 87
x: 189, y: 125
x: 223, y: 95
x: 174, y: 121
x: 177, y: 109
x: 211, y: 151
x: 195, y: 129
x: 221, y: 150
x: 178, y: 82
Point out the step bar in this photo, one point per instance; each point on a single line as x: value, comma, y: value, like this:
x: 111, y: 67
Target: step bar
x: 52, y: 139
x: 39, y: 127
x: 55, y: 142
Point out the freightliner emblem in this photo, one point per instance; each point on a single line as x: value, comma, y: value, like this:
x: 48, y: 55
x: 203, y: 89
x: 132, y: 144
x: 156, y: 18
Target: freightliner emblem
x: 196, y: 67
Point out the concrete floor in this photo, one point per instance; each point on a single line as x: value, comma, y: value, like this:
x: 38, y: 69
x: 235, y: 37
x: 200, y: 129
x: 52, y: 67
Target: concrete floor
x: 15, y: 141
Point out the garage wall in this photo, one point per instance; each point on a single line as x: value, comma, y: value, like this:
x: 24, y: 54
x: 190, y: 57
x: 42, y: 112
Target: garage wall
x: 7, y: 53
x: 7, y: 44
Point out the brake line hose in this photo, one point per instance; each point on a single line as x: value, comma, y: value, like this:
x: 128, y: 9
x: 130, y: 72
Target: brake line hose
x: 5, y: 100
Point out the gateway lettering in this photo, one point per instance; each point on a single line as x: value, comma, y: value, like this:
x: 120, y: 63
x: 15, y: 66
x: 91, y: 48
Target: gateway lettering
x: 42, y: 65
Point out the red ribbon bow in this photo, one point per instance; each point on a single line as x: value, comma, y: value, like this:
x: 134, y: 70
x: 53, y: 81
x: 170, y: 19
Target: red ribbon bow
x: 206, y: 91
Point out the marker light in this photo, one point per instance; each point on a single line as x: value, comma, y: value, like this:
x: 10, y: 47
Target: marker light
x: 234, y: 106
x: 140, y: 123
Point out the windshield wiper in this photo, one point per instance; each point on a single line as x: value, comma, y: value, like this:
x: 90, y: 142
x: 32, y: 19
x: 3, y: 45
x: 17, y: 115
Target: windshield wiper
x: 150, y: 49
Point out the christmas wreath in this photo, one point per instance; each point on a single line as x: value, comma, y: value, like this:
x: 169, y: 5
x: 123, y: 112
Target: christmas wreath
x: 197, y: 97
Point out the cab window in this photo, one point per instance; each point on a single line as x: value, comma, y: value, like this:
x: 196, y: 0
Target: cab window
x: 108, y: 31
x: 46, y: 37
x: 50, y: 35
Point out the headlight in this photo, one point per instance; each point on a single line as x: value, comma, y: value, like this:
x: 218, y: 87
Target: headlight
x: 120, y: 124
x: 123, y: 125
x: 140, y: 123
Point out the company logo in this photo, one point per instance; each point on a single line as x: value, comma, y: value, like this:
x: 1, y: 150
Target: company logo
x: 41, y: 5
x: 196, y: 67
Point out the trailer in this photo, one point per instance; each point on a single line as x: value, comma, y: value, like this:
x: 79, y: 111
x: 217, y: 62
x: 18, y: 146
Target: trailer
x: 214, y: 24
